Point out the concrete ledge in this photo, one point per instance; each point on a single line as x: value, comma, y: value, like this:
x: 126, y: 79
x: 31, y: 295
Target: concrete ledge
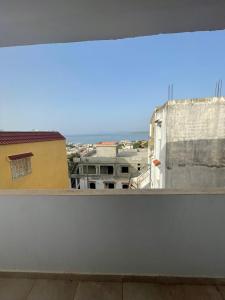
x: 72, y: 192
x: 155, y: 279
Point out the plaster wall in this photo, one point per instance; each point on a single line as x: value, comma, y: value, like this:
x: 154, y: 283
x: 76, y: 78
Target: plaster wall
x: 195, y: 145
x: 130, y: 233
x: 48, y: 164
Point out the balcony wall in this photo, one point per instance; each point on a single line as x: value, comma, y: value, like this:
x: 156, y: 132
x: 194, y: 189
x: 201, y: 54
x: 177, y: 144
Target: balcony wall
x: 161, y: 233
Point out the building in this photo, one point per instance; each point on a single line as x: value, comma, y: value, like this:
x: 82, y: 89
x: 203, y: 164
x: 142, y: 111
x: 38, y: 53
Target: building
x: 186, y: 149
x: 33, y: 160
x: 109, y: 167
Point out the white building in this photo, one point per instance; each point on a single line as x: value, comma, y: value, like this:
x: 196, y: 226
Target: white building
x: 186, y: 148
x: 109, y: 167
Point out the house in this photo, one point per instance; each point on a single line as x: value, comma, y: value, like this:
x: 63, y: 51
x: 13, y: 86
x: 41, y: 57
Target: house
x: 33, y: 160
x: 109, y: 167
x: 186, y: 148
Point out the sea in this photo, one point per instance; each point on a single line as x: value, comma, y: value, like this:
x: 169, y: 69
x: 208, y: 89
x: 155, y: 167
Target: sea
x: 107, y: 137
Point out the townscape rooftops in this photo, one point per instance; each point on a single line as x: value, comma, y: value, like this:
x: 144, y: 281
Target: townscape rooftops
x: 128, y: 155
x: 21, y: 137
x: 106, y: 144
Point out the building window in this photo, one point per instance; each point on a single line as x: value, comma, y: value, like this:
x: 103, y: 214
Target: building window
x: 106, y: 170
x: 109, y: 185
x: 125, y: 169
x: 20, y: 167
x: 89, y: 170
x: 92, y: 185
x: 125, y: 186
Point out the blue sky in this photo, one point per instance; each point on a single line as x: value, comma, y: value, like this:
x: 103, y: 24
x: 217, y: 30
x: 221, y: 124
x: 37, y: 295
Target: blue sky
x: 105, y: 86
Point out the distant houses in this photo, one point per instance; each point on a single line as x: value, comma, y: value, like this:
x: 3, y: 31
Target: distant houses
x: 33, y: 160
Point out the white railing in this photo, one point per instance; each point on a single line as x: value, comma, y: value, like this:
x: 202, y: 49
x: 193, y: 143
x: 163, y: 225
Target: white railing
x: 142, y: 181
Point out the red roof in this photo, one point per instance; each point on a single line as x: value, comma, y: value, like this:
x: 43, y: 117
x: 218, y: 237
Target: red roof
x: 21, y: 137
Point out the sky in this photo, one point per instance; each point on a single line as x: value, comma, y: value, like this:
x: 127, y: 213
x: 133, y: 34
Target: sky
x: 105, y: 86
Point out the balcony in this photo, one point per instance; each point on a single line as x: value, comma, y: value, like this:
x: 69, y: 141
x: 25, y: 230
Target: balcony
x: 120, y: 237
x: 62, y: 244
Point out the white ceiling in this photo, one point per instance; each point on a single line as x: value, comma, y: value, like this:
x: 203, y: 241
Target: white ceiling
x: 55, y: 21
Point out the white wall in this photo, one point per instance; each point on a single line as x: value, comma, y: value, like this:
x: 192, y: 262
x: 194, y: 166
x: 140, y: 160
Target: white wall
x: 158, y: 172
x: 130, y: 233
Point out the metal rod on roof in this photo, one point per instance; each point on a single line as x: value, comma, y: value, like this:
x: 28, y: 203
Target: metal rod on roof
x: 170, y: 92
x: 221, y: 85
x: 217, y: 90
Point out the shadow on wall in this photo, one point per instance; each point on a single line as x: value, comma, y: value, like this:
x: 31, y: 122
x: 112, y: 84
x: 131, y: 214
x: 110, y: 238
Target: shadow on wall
x: 195, y: 163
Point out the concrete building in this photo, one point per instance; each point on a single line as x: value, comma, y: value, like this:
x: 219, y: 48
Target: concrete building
x: 186, y: 149
x: 109, y: 167
x: 33, y: 160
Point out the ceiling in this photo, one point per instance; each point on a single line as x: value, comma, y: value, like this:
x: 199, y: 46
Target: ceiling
x: 57, y: 21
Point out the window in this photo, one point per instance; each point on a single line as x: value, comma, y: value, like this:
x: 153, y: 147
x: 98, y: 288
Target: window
x: 125, y: 169
x: 106, y: 170
x: 109, y: 185
x: 92, y: 185
x: 20, y: 167
x: 125, y: 186
x: 89, y: 169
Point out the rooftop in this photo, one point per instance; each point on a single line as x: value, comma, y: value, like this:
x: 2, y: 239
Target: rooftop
x: 106, y: 144
x: 21, y: 137
x: 122, y: 155
x: 209, y: 100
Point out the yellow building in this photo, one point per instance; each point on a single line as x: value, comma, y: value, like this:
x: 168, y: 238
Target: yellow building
x: 33, y: 160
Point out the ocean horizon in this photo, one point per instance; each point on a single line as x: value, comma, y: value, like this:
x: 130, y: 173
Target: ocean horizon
x: 107, y: 137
